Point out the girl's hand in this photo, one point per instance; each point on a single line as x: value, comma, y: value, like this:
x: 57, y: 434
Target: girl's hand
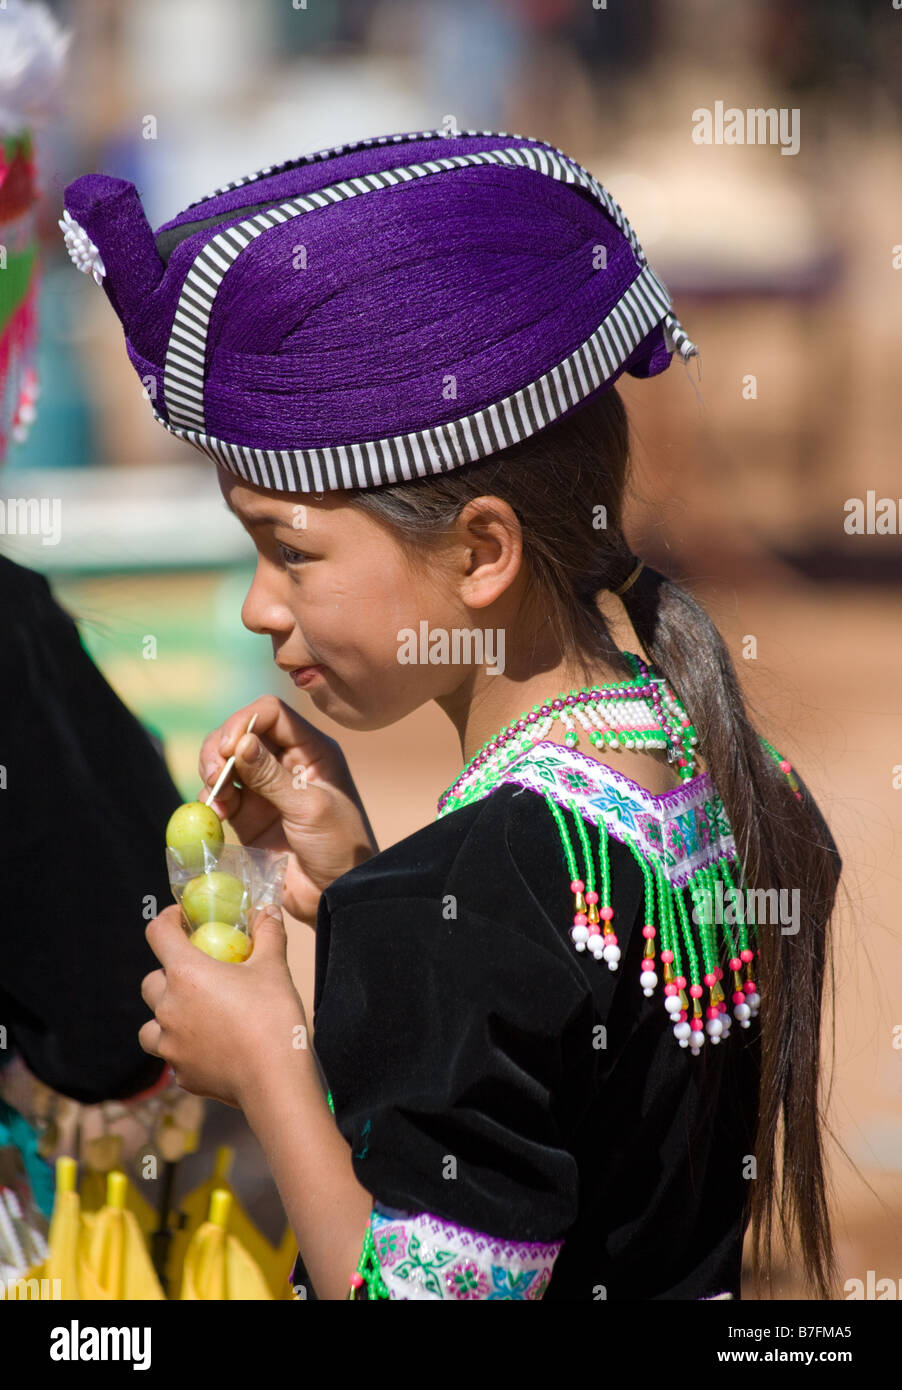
x: 219, y: 1026
x: 297, y: 796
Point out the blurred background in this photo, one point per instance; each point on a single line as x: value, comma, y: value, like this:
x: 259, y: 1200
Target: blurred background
x: 785, y: 266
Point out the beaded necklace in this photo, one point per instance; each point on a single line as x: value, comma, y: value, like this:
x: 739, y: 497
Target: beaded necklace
x: 641, y: 713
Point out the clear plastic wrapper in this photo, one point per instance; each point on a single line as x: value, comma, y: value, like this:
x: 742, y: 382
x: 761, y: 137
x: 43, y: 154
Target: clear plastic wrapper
x: 220, y: 898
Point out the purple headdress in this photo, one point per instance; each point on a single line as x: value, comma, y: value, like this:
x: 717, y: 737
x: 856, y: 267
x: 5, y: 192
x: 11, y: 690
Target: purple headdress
x: 379, y: 311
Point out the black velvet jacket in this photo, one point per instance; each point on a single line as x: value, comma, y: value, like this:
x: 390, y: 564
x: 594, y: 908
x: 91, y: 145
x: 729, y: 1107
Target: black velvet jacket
x: 453, y: 1016
x: 82, y: 826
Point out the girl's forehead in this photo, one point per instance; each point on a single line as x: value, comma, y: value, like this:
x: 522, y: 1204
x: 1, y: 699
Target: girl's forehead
x: 260, y: 505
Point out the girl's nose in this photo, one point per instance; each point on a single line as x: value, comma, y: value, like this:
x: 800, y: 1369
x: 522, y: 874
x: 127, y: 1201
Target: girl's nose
x: 263, y: 611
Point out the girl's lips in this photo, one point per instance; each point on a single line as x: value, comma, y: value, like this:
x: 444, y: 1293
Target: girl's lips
x: 303, y: 675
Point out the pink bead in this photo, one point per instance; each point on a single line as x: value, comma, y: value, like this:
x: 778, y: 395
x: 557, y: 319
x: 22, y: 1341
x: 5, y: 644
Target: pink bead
x: 750, y: 987
x: 746, y: 955
x: 592, y: 897
x: 785, y: 766
x: 594, y: 929
x: 577, y: 885
x: 695, y: 991
x: 712, y: 1012
x: 722, y: 1006
x: 683, y: 1016
x: 681, y: 762
x: 697, y: 1025
x: 718, y: 971
x: 670, y: 989
x: 649, y: 932
x: 738, y: 997
x: 667, y: 957
x: 798, y: 796
x: 580, y: 919
x: 610, y: 938
x: 681, y: 981
x: 356, y: 1281
x: 685, y: 721
x: 735, y: 963
x: 710, y: 980
x: 606, y: 913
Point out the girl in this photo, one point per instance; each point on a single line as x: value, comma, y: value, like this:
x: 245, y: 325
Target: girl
x: 557, y: 1028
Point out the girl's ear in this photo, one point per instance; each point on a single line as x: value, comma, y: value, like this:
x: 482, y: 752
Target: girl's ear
x: 107, y: 214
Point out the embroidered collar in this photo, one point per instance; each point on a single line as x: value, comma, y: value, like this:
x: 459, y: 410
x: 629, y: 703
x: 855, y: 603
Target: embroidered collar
x: 686, y: 828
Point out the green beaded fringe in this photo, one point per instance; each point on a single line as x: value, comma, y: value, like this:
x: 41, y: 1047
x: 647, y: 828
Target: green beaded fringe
x: 695, y: 956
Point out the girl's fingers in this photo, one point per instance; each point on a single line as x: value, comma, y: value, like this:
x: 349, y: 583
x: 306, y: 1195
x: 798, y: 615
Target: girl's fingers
x: 228, y: 798
x: 149, y: 1037
x: 281, y: 728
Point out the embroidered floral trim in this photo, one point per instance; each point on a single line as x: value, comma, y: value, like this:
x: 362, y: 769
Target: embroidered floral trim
x: 687, y: 828
x: 426, y: 1257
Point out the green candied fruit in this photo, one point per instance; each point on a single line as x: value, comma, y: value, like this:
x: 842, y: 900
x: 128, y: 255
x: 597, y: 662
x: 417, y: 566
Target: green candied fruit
x: 215, y: 897
x: 194, y: 833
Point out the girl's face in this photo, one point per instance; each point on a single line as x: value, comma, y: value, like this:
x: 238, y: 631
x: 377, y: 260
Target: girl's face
x: 334, y: 590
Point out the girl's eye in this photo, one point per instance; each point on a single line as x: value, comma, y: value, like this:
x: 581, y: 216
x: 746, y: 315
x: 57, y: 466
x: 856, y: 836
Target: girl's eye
x: 291, y: 557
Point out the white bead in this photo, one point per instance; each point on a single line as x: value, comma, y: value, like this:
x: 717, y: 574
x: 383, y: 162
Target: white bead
x: 81, y: 248
x: 612, y: 954
x: 681, y: 1031
x: 596, y: 946
x: 684, y: 1042
x: 579, y: 933
x: 580, y: 945
x: 648, y: 979
x: 714, y: 1027
x: 672, y: 1005
x: 742, y: 1012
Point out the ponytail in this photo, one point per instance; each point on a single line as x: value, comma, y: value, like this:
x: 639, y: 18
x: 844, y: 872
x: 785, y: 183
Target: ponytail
x: 782, y: 843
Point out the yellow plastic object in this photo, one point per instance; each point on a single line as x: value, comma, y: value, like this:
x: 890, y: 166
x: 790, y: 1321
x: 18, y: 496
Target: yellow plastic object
x: 65, y: 1229
x: 275, y: 1264
x: 113, y: 1258
x: 93, y: 1192
x: 217, y: 1267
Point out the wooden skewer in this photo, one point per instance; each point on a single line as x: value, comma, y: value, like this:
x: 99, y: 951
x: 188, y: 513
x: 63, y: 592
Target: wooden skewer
x: 229, y: 765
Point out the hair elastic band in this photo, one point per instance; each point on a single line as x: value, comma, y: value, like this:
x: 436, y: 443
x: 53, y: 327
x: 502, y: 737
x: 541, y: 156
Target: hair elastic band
x: 628, y: 583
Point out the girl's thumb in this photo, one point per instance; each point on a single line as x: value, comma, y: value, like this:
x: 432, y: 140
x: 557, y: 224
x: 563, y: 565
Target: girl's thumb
x: 262, y: 772
x: 269, y: 929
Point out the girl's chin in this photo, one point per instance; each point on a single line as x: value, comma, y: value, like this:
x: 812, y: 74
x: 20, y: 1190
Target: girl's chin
x: 347, y: 716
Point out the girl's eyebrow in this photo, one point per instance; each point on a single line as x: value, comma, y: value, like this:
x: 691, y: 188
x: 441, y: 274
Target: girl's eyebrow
x: 258, y: 520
